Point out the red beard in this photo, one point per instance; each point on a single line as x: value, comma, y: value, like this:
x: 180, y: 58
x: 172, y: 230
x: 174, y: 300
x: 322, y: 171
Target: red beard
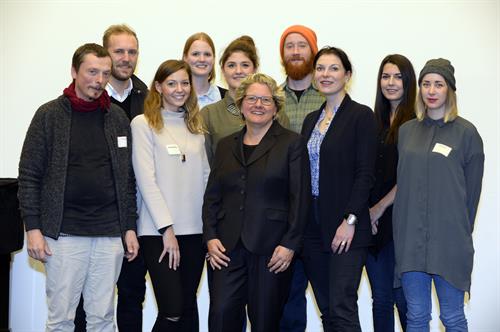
x: 298, y: 72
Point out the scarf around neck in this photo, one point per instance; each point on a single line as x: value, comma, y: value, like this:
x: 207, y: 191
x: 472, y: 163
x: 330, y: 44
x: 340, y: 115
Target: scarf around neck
x: 80, y: 105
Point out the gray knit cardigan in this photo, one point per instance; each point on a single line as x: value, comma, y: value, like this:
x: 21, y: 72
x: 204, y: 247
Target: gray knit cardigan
x: 44, y: 162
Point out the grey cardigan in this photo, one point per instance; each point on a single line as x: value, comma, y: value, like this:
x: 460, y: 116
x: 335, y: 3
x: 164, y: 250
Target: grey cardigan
x: 44, y: 162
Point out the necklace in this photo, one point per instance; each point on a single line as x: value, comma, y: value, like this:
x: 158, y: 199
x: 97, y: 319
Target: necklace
x: 178, y: 149
x: 328, y: 120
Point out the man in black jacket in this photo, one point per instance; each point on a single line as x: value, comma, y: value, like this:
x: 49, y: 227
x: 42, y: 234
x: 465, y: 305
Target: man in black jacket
x: 127, y: 91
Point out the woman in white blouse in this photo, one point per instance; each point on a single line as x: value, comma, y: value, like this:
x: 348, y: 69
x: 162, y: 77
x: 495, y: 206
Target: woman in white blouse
x: 171, y: 168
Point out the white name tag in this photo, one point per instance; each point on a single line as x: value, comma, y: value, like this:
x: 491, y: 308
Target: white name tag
x: 441, y: 148
x: 173, y: 149
x: 122, y: 141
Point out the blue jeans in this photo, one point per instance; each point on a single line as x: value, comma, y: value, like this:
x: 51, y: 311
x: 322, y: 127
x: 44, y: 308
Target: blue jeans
x: 294, y: 318
x: 380, y: 270
x: 417, y: 289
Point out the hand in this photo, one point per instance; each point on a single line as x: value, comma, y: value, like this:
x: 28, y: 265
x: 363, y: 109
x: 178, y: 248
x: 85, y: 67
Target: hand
x: 343, y: 237
x: 376, y: 212
x: 171, y: 246
x: 132, y: 245
x: 216, y: 255
x: 374, y: 224
x: 37, y: 246
x: 280, y: 260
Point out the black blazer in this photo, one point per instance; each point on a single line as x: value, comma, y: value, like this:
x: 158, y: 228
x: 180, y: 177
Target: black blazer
x: 347, y: 161
x: 263, y: 201
x: 138, y: 94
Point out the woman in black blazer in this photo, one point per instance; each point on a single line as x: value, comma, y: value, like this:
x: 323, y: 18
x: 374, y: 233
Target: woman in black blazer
x: 254, y: 212
x: 342, y: 145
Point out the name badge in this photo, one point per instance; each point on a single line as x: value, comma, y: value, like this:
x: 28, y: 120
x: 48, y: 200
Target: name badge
x: 441, y: 148
x: 122, y: 141
x: 173, y: 149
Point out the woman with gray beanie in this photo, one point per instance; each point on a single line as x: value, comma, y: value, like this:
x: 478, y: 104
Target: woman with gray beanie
x: 440, y: 170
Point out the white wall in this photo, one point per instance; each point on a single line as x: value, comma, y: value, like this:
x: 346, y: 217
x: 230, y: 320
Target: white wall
x: 38, y: 39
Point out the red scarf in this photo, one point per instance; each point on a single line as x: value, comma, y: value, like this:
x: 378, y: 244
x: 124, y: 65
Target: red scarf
x: 80, y: 105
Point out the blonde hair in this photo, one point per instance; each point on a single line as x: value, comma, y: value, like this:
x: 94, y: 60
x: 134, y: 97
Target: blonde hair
x: 276, y: 91
x: 117, y: 29
x: 451, y: 109
x: 153, y: 101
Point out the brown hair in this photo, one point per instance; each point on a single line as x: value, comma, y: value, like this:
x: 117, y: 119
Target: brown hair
x: 406, y: 108
x: 244, y: 44
x: 153, y: 101
x: 203, y: 37
x: 85, y: 49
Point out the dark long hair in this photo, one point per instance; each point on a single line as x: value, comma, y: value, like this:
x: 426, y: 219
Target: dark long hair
x: 406, y: 108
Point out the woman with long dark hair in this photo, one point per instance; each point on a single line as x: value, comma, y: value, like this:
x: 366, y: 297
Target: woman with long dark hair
x: 394, y: 105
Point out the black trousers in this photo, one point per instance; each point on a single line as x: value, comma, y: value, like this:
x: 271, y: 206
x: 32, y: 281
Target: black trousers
x: 175, y: 290
x: 247, y: 281
x: 334, y: 278
x: 131, y: 291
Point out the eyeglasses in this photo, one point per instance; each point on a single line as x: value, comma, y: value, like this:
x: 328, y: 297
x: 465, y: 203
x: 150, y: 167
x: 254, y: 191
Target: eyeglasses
x: 265, y: 100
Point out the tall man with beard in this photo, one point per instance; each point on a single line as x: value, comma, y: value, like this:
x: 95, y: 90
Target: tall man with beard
x: 127, y: 91
x: 298, y: 46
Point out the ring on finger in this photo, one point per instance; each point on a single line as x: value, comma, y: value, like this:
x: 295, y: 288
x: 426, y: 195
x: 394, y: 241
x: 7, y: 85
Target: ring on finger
x: 342, y: 243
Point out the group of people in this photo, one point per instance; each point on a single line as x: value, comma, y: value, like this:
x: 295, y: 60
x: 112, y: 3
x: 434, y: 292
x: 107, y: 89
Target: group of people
x: 274, y: 186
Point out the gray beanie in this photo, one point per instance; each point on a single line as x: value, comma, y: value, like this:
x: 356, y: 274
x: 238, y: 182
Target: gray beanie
x: 442, y: 67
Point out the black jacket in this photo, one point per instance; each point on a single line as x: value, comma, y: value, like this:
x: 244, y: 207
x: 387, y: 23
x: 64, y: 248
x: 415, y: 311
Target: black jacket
x: 347, y: 159
x: 137, y: 95
x: 263, y: 201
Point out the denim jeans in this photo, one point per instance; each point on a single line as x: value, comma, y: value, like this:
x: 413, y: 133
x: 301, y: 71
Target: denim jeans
x: 294, y: 317
x: 380, y: 270
x: 417, y: 289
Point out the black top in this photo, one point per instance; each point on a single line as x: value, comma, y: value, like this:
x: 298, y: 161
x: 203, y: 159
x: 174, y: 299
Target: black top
x: 134, y: 104
x: 125, y: 105
x: 247, y: 151
x: 262, y: 201
x: 385, y: 179
x: 222, y: 92
x: 346, y: 172
x: 298, y: 93
x: 90, y: 206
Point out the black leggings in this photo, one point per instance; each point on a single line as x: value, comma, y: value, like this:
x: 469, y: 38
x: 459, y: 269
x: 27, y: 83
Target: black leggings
x: 175, y: 291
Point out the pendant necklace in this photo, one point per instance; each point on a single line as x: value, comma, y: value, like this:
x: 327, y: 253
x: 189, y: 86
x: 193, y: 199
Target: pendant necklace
x: 181, y: 151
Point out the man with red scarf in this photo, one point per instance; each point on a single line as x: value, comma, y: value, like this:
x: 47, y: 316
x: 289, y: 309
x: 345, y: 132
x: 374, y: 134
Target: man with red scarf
x: 77, y: 194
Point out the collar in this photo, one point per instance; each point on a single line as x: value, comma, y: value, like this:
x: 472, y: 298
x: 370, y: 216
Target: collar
x: 431, y: 122
x: 285, y: 87
x: 212, y: 94
x: 113, y: 93
x: 231, y: 106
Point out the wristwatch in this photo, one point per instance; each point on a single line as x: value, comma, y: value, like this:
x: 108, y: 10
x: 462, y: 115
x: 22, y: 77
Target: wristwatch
x: 351, y: 219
